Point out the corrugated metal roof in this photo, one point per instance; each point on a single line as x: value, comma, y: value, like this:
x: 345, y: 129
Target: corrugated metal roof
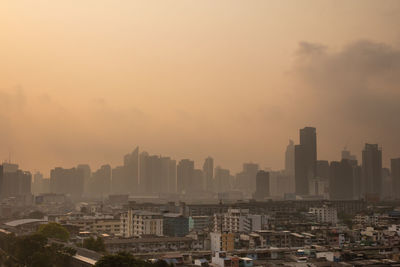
x: 23, y: 221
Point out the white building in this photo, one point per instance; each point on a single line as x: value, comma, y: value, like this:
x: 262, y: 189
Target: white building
x: 239, y: 220
x: 325, y: 214
x: 135, y: 223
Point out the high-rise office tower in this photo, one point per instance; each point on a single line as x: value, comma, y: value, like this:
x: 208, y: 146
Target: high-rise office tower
x: 222, y: 179
x: 341, y: 180
x: 153, y: 175
x: 100, y: 183
x: 37, y: 185
x: 118, y: 179
x: 142, y: 170
x: 357, y: 186
x: 67, y: 181
x: 185, y: 175
x: 198, y: 180
x: 346, y: 154
x: 250, y: 172
x: 262, y: 185
x: 172, y: 176
x: 15, y: 182
x: 288, y: 175
x: 305, y: 159
x: 131, y: 164
x: 164, y: 179
x: 322, y: 170
x: 289, y: 158
x: 395, y: 172
x: 372, y: 171
x: 208, y: 171
x: 387, y: 186
x: 87, y: 173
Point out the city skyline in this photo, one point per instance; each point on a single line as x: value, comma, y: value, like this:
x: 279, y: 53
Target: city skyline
x: 198, y: 164
x: 232, y: 80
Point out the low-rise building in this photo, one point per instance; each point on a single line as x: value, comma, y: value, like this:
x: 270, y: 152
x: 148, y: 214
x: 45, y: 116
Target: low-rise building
x: 135, y: 223
x: 325, y: 214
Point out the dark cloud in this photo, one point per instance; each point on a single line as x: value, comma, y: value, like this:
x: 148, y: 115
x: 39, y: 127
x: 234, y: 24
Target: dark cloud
x: 356, y: 87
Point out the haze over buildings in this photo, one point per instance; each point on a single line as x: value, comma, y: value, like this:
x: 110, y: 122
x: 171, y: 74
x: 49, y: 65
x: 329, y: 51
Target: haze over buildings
x: 230, y: 79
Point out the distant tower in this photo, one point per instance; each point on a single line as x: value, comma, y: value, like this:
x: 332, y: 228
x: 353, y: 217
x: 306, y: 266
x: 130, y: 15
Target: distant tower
x: 262, y: 185
x: 305, y: 159
x: 395, y: 169
x: 289, y: 158
x: 346, y: 154
x: 131, y: 165
x: 372, y: 170
x: 208, y: 171
x: 185, y: 176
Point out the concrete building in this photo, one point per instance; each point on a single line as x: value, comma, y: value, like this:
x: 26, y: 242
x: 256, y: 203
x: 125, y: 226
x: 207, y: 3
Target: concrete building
x: 87, y: 173
x: 199, y: 223
x: 395, y: 173
x: 222, y: 241
x: 208, y: 172
x: 262, y: 185
x: 15, y: 182
x: 305, y: 160
x: 325, y: 214
x: 100, y: 182
x: 185, y: 176
x: 67, y: 181
x: 135, y: 223
x: 175, y: 224
x: 342, y: 180
x: 372, y: 171
x: 238, y: 220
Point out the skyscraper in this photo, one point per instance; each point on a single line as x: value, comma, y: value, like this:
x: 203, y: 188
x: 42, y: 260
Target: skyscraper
x: 87, y: 173
x: 262, y: 185
x: 346, y: 154
x: 289, y: 158
x: 341, y: 180
x: 305, y: 159
x: 208, y: 172
x: 131, y: 164
x: 372, y: 171
x: 172, y: 176
x: 118, y: 179
x: 395, y: 170
x: 14, y: 182
x: 222, y: 179
x: 198, y: 180
x: 250, y: 172
x: 67, y: 181
x: 185, y: 176
x: 322, y: 170
x: 152, y: 178
x: 142, y: 170
x: 100, y: 183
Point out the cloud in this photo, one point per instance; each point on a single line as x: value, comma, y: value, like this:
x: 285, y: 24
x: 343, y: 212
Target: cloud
x: 356, y: 87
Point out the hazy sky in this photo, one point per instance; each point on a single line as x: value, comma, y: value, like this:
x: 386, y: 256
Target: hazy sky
x: 87, y: 81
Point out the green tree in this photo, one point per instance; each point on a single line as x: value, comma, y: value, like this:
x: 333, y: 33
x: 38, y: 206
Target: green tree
x: 54, y: 230
x: 27, y: 246
x: 33, y: 251
x: 121, y: 260
x: 94, y: 244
